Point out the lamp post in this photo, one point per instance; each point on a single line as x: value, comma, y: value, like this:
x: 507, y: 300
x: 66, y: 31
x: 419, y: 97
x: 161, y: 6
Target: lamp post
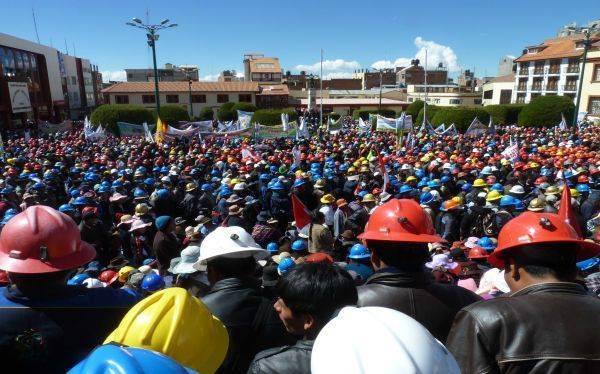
x: 151, y: 34
x: 586, y: 45
x: 188, y: 71
x: 380, y: 86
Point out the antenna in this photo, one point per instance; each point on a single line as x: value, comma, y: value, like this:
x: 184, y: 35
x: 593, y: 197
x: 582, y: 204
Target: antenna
x: 74, y: 53
x: 35, y: 26
x: 66, y: 47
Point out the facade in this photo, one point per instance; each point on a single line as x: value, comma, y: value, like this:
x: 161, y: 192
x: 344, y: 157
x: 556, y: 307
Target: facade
x: 505, y: 66
x: 443, y: 95
x: 415, y: 74
x: 300, y: 82
x: 273, y: 96
x: 261, y: 69
x: 550, y: 68
x: 348, y: 106
x: 498, y: 90
x: 204, y: 94
x: 590, y: 89
x: 230, y: 76
x: 170, y: 73
x: 33, y: 84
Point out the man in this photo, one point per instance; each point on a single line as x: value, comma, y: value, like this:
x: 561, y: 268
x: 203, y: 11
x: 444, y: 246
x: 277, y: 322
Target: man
x: 93, y: 232
x: 45, y: 324
x: 319, y: 236
x: 397, y: 235
x: 544, y: 325
x: 165, y: 246
x: 189, y: 205
x: 326, y: 208
x: 308, y: 296
x: 340, y: 217
x: 229, y: 256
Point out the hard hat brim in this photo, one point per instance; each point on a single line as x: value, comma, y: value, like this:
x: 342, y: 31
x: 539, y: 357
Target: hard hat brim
x: 401, y: 237
x: 584, y: 250
x: 85, y: 254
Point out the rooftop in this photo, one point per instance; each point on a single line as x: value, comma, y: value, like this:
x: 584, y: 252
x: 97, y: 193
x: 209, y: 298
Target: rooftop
x: 264, y: 65
x: 143, y: 87
x: 276, y: 89
x: 555, y: 48
x: 504, y: 78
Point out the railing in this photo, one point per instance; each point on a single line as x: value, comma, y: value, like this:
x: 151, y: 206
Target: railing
x: 536, y: 87
x: 522, y: 87
x: 572, y: 69
x: 554, y: 70
x: 570, y: 87
x: 538, y: 71
x: 524, y: 71
x: 552, y: 87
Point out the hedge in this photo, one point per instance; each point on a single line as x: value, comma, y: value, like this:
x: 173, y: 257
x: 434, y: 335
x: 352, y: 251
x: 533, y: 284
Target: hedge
x: 364, y: 113
x: 272, y: 117
x: 243, y: 106
x: 546, y: 111
x: 333, y: 115
x: 206, y: 114
x: 414, y: 108
x: 431, y: 111
x: 226, y: 113
x: 109, y: 114
x: 172, y: 114
x: 504, y: 114
x: 460, y: 116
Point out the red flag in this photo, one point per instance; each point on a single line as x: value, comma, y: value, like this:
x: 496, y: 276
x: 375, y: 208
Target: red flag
x: 301, y: 215
x: 383, y: 171
x: 566, y: 212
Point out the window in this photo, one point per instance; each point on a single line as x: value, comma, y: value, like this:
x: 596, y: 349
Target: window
x: 265, y: 65
x: 73, y: 80
x: 488, y: 94
x: 222, y: 98
x: 245, y: 98
x: 594, y: 105
x: 148, y: 99
x: 596, y: 73
x: 8, y: 63
x: 172, y: 99
x: 505, y: 96
x: 520, y: 98
x: 410, y: 99
x: 122, y: 99
x: 477, y: 101
x: 198, y: 98
x: 455, y: 101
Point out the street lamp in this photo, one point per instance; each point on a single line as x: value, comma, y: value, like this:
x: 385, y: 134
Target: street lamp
x: 188, y: 71
x: 151, y: 34
x: 586, y: 45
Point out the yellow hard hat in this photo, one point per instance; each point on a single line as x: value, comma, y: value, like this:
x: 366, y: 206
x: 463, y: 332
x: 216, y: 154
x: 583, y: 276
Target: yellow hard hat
x: 363, y: 169
x: 190, y: 186
x: 124, y: 273
x: 177, y: 324
x: 552, y: 190
x: 458, y: 200
x: 368, y: 198
x: 298, y: 173
x: 356, y: 164
x: 411, y: 178
x: 141, y: 209
x: 493, y: 196
x: 479, y: 183
x: 351, y: 169
x: 574, y: 192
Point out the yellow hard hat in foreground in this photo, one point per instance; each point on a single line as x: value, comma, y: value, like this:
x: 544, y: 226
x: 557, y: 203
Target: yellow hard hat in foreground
x: 177, y: 324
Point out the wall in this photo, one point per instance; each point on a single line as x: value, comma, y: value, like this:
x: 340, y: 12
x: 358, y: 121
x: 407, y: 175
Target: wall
x: 589, y: 88
x: 496, y: 88
x: 446, y: 99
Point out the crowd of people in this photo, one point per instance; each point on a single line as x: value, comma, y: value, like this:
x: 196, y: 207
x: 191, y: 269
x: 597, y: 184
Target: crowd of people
x: 345, y: 252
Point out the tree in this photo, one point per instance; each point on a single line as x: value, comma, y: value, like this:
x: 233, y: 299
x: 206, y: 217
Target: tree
x: 245, y: 107
x: 504, y: 114
x: 459, y: 116
x: 109, y: 114
x: 172, y: 114
x: 206, y: 114
x: 414, y: 108
x: 226, y: 112
x: 333, y: 115
x: 546, y: 111
x: 431, y: 110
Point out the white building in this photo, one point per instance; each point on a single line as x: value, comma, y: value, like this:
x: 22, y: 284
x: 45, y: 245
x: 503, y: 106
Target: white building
x: 498, y: 90
x: 442, y: 95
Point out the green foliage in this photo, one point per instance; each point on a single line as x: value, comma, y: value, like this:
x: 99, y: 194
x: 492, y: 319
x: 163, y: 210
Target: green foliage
x: 504, y: 114
x: 546, y: 111
x: 414, y: 108
x: 333, y: 115
x: 171, y: 114
x: 460, y: 116
x: 226, y: 112
x: 431, y: 111
x: 206, y: 114
x: 245, y: 107
x: 291, y: 112
x: 272, y: 117
x: 109, y: 114
x: 388, y: 113
x: 364, y: 113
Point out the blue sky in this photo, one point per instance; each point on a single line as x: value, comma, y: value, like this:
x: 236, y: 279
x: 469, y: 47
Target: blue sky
x: 463, y: 34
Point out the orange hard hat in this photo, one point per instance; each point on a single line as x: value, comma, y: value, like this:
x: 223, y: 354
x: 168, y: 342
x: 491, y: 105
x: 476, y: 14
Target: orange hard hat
x: 400, y: 221
x: 42, y: 240
x: 108, y: 276
x: 532, y: 228
x: 477, y: 253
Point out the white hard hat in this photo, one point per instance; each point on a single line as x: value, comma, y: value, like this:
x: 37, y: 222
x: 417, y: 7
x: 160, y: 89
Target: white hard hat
x: 93, y: 283
x: 239, y: 186
x: 447, y: 166
x: 517, y: 189
x: 231, y: 242
x: 378, y: 340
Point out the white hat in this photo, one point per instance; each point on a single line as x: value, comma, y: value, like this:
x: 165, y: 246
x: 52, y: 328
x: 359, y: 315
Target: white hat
x: 493, y: 278
x: 240, y: 186
x: 354, y: 340
x: 230, y: 242
x: 441, y: 260
x: 517, y: 189
x: 93, y: 283
x: 189, y: 256
x: 139, y: 224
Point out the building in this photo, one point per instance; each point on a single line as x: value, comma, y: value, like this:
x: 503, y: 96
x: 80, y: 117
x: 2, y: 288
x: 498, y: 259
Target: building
x: 204, y: 94
x: 170, y: 73
x: 573, y: 28
x: 230, y: 76
x: 34, y: 84
x: 467, y: 80
x: 498, y: 90
x: 550, y: 68
x: 443, y: 95
x: 348, y: 106
x: 375, y: 78
x: 415, y: 74
x: 300, y: 81
x: 506, y: 66
x: 590, y: 89
x: 261, y: 69
x: 273, y: 96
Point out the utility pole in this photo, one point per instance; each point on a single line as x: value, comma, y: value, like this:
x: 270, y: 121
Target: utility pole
x: 380, y: 86
x: 586, y: 32
x: 321, y: 92
x: 425, y: 102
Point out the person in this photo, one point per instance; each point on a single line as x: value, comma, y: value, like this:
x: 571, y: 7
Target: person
x: 93, y: 232
x: 544, y: 325
x: 165, y: 246
x: 339, y: 218
x: 378, y: 340
x: 265, y: 229
x: 319, y: 237
x: 308, y: 296
x: 39, y: 248
x: 327, y: 209
x: 229, y: 255
x: 178, y: 325
x: 397, y: 235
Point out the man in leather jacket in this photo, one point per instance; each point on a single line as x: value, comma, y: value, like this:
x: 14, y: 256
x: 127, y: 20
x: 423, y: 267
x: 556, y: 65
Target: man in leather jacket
x: 309, y: 294
x: 547, y: 324
x: 397, y: 235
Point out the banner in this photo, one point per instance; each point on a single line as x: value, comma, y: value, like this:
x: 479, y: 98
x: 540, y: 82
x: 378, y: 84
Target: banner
x: 563, y: 123
x: 285, y: 120
x: 302, y: 129
x: 511, y: 152
x: 363, y: 127
x: 189, y: 132
x: 404, y: 122
x: 50, y: 128
x: 131, y: 129
x: 19, y: 97
x: 244, y: 119
x: 451, y: 130
x: 386, y: 124
x: 147, y: 133
x: 476, y: 128
x: 204, y: 126
x: 440, y: 129
x: 335, y: 126
x: 272, y: 132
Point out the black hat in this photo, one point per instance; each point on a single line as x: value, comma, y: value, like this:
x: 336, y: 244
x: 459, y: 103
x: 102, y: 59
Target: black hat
x: 270, y: 276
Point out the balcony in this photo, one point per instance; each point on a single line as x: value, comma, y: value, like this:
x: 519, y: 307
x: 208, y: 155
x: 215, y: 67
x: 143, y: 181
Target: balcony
x: 552, y: 87
x: 569, y: 87
x: 572, y: 69
x: 554, y: 70
x: 538, y: 71
x: 521, y: 87
x: 536, y: 87
x: 524, y: 71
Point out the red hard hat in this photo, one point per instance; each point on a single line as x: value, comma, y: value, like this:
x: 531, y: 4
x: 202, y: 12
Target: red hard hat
x: 42, y: 240
x: 532, y: 228
x: 400, y: 221
x: 477, y: 253
x: 108, y: 276
x: 583, y: 179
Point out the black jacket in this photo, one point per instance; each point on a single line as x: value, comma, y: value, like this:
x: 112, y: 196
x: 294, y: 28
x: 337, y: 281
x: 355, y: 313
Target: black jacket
x: 290, y: 359
x: 544, y: 328
x: 434, y: 305
x: 251, y: 321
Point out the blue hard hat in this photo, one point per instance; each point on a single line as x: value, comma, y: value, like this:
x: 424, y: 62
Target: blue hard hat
x: 80, y: 201
x: 104, y: 189
x: 466, y: 187
x: 74, y: 192
x: 426, y: 198
x: 344, y: 167
x: 38, y: 186
x: 362, y: 194
x: 111, y: 358
x: 149, y: 182
x: 299, y: 245
x: 164, y: 170
x: 583, y: 188
x: 92, y: 177
x: 11, y: 212
x: 299, y: 182
x: 568, y: 174
x: 359, y: 252
x: 507, y: 201
x: 272, y: 248
x: 498, y: 187
x: 405, y: 189
x: 156, y: 169
x: 519, y: 205
x: 264, y: 177
x: 273, y: 169
x: 588, y: 264
x: 486, y: 243
x: 433, y: 184
x: 285, y: 265
x: 66, y: 208
x: 8, y: 189
x: 140, y: 192
x: 194, y: 171
x: 117, y: 184
x: 419, y: 173
x: 445, y: 179
x: 162, y: 194
x: 278, y: 186
x: 105, y: 184
x: 206, y: 187
x: 78, y: 279
x: 152, y: 282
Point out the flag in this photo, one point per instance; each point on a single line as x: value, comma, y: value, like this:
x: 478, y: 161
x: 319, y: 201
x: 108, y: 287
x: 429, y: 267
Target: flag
x: 247, y: 153
x: 440, y: 129
x: 476, y: 128
x: 284, y: 121
x: 491, y: 126
x: 566, y: 212
x: 161, y: 129
x: 297, y: 154
x: 363, y: 126
x: 407, y: 123
x: 1, y: 148
x: 563, y: 123
x: 244, y: 119
x: 147, y: 134
x: 386, y: 178
x: 301, y: 215
x: 511, y: 152
x: 386, y: 124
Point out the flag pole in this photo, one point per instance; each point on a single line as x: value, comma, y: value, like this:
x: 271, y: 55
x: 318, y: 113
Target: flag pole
x: 321, y: 94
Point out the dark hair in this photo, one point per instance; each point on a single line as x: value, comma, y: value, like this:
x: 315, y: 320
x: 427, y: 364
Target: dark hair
x: 555, y: 259
x: 233, y: 267
x: 405, y: 256
x: 317, y: 289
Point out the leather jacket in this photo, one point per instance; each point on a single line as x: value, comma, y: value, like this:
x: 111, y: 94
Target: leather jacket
x: 294, y: 359
x: 434, y: 305
x: 250, y: 318
x: 544, y: 328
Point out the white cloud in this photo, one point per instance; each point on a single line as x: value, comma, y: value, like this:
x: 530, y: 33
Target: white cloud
x: 210, y: 78
x: 337, y: 75
x: 239, y: 75
x: 330, y: 67
x: 436, y: 53
x: 117, y: 75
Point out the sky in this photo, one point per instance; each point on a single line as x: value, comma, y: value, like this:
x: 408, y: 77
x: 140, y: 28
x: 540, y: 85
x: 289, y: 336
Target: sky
x: 214, y: 35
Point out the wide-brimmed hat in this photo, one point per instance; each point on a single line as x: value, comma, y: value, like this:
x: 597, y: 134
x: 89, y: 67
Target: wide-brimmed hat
x: 328, y: 199
x: 202, y: 219
x: 234, y: 210
x: 185, y: 265
x: 117, y: 197
x: 229, y: 242
x: 139, y: 224
x: 441, y: 260
x: 126, y: 219
x: 234, y: 199
x: 263, y: 216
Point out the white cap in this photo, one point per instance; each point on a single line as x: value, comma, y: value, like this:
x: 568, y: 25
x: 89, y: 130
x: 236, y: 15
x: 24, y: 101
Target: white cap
x: 517, y: 189
x: 240, y: 186
x: 93, y: 283
x: 231, y: 242
x: 378, y: 340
